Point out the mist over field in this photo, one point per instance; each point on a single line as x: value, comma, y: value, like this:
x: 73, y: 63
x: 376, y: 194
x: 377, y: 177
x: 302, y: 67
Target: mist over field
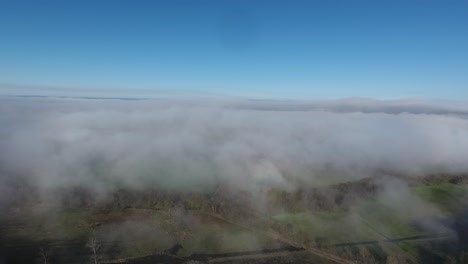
x: 313, y: 171
x: 235, y: 132
x: 195, y: 144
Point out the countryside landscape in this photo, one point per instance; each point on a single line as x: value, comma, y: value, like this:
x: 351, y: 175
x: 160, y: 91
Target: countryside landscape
x: 305, y: 192
x: 234, y: 131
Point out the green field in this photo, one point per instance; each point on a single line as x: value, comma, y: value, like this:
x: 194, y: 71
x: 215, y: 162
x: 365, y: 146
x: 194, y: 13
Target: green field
x: 136, y: 232
x: 448, y: 197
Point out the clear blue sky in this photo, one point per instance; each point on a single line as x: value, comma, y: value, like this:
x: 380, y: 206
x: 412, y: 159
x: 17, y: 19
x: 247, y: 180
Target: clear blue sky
x: 282, y: 49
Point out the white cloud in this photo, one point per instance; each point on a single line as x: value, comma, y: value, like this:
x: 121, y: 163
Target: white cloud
x: 191, y: 144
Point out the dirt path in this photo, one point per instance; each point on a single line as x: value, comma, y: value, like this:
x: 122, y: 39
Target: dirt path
x: 394, y: 240
x: 278, y: 237
x: 323, y: 253
x: 255, y: 256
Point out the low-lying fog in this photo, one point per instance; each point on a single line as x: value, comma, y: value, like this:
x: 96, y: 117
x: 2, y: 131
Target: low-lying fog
x: 195, y: 144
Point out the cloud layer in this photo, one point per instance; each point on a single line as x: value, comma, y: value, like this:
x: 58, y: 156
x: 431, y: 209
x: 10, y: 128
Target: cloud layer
x: 195, y: 144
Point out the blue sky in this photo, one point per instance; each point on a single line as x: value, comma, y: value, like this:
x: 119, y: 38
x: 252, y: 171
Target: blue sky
x: 260, y: 49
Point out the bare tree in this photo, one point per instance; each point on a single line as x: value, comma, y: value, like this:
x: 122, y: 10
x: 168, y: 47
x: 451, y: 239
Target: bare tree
x: 93, y: 245
x: 44, y: 256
